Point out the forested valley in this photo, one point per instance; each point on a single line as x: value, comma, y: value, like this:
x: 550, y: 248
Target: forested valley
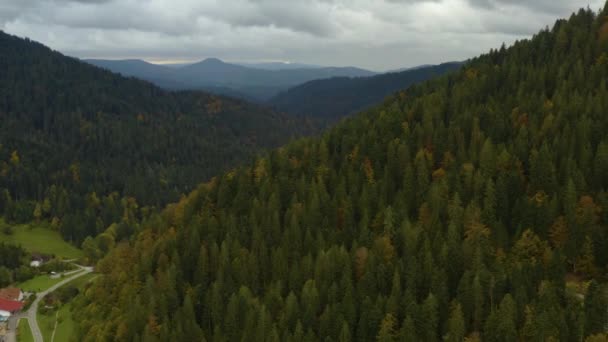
x: 471, y: 207
x: 90, y: 152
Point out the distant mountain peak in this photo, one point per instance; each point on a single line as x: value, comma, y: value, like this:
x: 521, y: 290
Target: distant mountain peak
x: 255, y: 81
x: 212, y: 60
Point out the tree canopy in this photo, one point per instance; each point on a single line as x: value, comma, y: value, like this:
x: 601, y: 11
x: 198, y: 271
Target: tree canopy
x: 472, y: 206
x: 84, y: 148
x: 457, y: 209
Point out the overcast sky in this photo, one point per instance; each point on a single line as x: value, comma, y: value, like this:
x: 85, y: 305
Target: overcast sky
x: 375, y: 34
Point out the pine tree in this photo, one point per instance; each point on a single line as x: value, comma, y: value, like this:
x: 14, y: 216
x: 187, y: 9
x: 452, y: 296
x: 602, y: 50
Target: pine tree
x: 456, y: 325
x: 429, y: 318
x: 393, y: 302
x: 595, y: 305
x: 387, y: 329
x: 407, y: 333
x: 487, y: 159
x: 507, y: 315
x: 488, y: 214
x: 344, y: 333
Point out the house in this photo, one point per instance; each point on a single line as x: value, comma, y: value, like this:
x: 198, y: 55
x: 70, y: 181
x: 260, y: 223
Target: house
x: 9, y: 307
x: 11, y: 293
x: 38, y: 259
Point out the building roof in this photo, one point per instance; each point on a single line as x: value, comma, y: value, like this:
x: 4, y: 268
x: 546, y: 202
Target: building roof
x: 41, y: 257
x: 10, y: 293
x: 10, y: 305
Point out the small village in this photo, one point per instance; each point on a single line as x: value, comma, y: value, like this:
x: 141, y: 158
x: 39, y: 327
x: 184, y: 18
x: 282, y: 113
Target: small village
x: 20, y: 302
x: 13, y: 299
x: 40, y: 274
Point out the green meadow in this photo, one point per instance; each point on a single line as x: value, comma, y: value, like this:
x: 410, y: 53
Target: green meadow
x: 39, y: 239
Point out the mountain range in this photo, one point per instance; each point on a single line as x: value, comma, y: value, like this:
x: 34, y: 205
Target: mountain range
x: 331, y: 94
x: 255, y: 83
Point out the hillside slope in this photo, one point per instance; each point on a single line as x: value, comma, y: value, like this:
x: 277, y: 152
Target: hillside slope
x: 334, y: 98
x: 472, y: 205
x: 75, y: 139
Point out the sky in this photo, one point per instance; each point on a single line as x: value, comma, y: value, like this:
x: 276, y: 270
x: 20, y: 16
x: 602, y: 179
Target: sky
x: 374, y: 34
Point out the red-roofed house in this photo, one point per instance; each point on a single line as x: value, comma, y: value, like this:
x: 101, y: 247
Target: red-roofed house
x: 9, y: 307
x: 11, y: 293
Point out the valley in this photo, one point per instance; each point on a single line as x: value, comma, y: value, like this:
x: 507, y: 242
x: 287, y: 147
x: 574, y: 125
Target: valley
x: 273, y: 201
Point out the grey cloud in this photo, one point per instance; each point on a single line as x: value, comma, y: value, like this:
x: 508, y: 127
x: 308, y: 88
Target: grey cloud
x: 409, y: 2
x: 11, y: 10
x: 377, y: 34
x: 307, y: 16
x: 548, y: 6
x: 174, y: 17
x: 83, y: 1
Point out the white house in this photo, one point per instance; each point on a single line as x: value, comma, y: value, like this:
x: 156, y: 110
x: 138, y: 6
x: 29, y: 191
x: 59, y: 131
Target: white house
x: 35, y: 263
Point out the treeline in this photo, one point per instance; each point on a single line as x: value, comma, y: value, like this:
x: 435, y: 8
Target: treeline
x: 474, y: 206
x: 13, y: 264
x: 81, y: 147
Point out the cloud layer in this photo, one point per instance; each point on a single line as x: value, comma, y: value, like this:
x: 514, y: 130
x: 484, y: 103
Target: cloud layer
x: 377, y: 34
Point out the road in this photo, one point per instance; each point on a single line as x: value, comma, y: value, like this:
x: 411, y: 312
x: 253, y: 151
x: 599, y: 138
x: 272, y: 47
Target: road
x: 30, y: 314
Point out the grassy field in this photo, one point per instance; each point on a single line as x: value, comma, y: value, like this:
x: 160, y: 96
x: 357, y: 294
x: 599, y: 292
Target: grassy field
x: 40, y: 240
x: 46, y: 324
x: 24, y: 333
x: 40, y: 283
x: 65, y: 327
x: 65, y: 322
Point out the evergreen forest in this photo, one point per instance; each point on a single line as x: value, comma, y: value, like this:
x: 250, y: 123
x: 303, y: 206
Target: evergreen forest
x: 472, y: 207
x: 85, y: 149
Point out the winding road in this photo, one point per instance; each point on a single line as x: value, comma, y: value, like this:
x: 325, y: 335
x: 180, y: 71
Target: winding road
x: 30, y: 314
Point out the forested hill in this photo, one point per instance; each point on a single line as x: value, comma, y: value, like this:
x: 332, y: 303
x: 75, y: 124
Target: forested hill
x: 334, y: 98
x: 472, y: 205
x: 76, y: 139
